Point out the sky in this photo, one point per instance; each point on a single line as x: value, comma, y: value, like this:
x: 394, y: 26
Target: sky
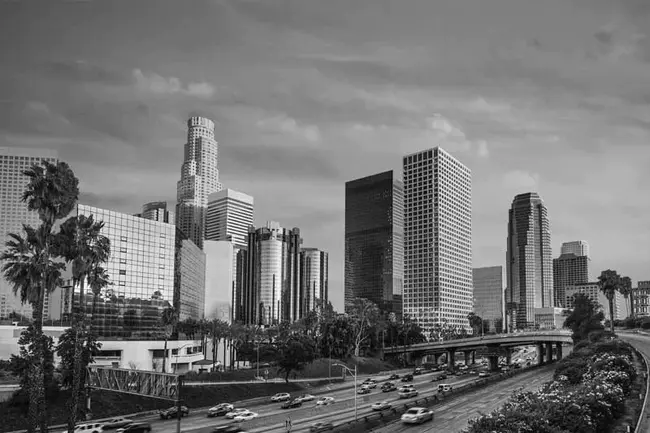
x: 549, y: 96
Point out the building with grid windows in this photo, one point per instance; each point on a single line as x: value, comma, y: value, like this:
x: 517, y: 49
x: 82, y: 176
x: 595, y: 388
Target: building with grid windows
x: 157, y: 211
x: 199, y: 178
x: 14, y: 213
x: 568, y: 269
x: 230, y: 214
x: 437, y: 239
x: 579, y: 248
x: 592, y: 290
x: 641, y: 298
x: 488, y: 296
x: 374, y: 241
x: 314, y: 271
x: 529, y: 271
x: 189, y: 278
x: 268, y: 276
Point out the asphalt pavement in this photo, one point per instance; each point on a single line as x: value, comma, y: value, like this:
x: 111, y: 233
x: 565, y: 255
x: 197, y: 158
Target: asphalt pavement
x: 641, y: 342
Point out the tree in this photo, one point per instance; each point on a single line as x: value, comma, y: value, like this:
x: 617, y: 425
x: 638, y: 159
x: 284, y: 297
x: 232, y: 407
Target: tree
x: 626, y: 290
x: 297, y: 351
x: 475, y: 322
x: 585, y: 318
x: 52, y: 191
x: 66, y: 350
x: 218, y: 331
x: 609, y: 282
x: 364, y: 315
x: 168, y: 320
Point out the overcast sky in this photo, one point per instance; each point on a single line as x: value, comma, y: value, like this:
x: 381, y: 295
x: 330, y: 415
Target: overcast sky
x: 550, y: 96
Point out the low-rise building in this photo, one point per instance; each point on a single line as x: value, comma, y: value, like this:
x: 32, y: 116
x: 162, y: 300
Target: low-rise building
x: 549, y: 318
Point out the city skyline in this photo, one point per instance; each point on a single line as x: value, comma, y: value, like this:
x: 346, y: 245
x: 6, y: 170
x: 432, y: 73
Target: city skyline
x: 552, y: 102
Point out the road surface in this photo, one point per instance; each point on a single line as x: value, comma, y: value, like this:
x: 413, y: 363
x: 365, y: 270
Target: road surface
x: 641, y: 342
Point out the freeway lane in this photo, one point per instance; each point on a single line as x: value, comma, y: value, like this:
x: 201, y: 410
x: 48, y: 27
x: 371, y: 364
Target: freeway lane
x: 452, y: 416
x: 642, y: 343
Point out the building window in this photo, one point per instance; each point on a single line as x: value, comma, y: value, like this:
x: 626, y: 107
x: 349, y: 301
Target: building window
x: 122, y: 250
x: 122, y: 271
x: 123, y: 261
x: 123, y: 238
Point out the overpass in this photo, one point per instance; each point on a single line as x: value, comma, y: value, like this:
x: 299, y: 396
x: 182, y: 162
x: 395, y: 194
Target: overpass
x: 547, y: 343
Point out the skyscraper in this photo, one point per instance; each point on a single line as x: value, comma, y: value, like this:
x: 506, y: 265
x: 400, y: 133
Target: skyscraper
x: 157, y: 211
x: 579, y: 248
x: 374, y: 240
x: 314, y: 279
x: 488, y: 296
x: 230, y: 214
x: 568, y: 269
x: 268, y: 276
x: 14, y: 213
x: 529, y: 271
x: 199, y: 178
x: 437, y: 239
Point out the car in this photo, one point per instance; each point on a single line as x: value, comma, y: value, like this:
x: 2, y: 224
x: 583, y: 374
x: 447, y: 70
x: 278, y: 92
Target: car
x: 363, y: 390
x: 436, y: 368
x: 388, y: 386
x: 324, y: 401
x: 417, y: 415
x: 370, y: 383
x: 407, y: 378
x: 439, y: 378
x: 172, y: 412
x: 136, y: 427
x: 405, y: 387
x: 417, y: 371
x: 117, y: 423
x: 484, y: 374
x: 246, y: 416
x: 281, y: 396
x: 230, y: 428
x: 445, y: 387
x: 393, y: 377
x: 321, y: 426
x: 290, y: 404
x: 307, y: 397
x: 408, y: 393
x: 220, y: 409
x: 89, y: 428
x: 381, y: 405
x: 233, y: 413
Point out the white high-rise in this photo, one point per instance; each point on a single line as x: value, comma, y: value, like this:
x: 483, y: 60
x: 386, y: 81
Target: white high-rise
x: 230, y: 214
x: 579, y: 248
x: 437, y: 239
x: 14, y: 213
x: 199, y: 178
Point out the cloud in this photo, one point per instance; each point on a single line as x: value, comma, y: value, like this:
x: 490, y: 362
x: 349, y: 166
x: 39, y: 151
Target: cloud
x: 521, y: 180
x: 286, y: 125
x: 451, y: 135
x: 159, y: 85
x: 83, y: 71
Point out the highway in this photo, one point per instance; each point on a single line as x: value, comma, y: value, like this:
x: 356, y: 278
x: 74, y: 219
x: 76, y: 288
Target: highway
x: 641, y: 342
x: 452, y: 416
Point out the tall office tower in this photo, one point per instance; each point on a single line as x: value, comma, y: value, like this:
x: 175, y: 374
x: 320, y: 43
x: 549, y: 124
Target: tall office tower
x: 437, y: 239
x: 529, y: 271
x: 579, y: 248
x: 230, y: 214
x: 189, y: 278
x: 199, y: 178
x: 374, y: 241
x: 568, y: 269
x: 488, y: 296
x: 14, y: 213
x: 314, y: 272
x: 268, y: 276
x: 157, y: 211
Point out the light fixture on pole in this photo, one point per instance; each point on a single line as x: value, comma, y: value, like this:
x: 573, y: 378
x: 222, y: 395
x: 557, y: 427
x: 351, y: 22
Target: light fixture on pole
x: 355, y: 385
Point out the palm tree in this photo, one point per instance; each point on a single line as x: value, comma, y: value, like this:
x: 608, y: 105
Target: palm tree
x: 609, y: 282
x: 626, y: 290
x: 169, y: 320
x: 217, y: 332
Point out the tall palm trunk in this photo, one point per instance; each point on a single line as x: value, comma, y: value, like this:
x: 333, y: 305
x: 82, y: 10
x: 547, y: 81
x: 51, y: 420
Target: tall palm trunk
x: 39, y: 372
x: 76, y: 381
x: 611, y: 313
x: 36, y: 377
x: 632, y: 304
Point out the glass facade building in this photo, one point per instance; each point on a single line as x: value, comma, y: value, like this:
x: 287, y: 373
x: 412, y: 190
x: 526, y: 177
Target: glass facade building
x: 314, y: 270
x: 199, y: 178
x: 488, y: 295
x: 374, y: 241
x: 14, y: 213
x: 189, y: 278
x: 437, y: 239
x: 568, y: 269
x: 529, y: 269
x: 157, y: 211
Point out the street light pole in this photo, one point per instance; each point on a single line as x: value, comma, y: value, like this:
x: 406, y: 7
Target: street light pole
x: 355, y: 386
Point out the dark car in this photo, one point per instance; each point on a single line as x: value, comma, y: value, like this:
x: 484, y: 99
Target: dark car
x: 440, y: 377
x: 393, y: 377
x: 417, y: 371
x: 136, y: 427
x: 407, y: 378
x: 321, y: 426
x: 230, y: 428
x: 296, y: 402
x: 388, y: 386
x: 173, y: 411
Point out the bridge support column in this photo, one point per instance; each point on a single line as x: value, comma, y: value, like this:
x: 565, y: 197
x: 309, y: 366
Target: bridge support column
x: 473, y: 357
x: 451, y: 359
x: 468, y: 357
x: 508, y: 355
x: 549, y: 352
x: 540, y: 353
x: 558, y: 351
x: 493, y: 357
x: 436, y: 358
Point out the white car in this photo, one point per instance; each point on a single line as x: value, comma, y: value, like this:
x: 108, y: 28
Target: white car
x: 324, y: 401
x: 236, y: 412
x: 245, y: 416
x: 306, y: 397
x: 89, y: 428
x: 406, y: 388
x: 281, y: 396
x: 381, y: 405
x: 417, y: 415
x: 408, y: 393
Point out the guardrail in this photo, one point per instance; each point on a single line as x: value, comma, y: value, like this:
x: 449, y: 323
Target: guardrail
x: 366, y: 422
x: 643, y: 358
